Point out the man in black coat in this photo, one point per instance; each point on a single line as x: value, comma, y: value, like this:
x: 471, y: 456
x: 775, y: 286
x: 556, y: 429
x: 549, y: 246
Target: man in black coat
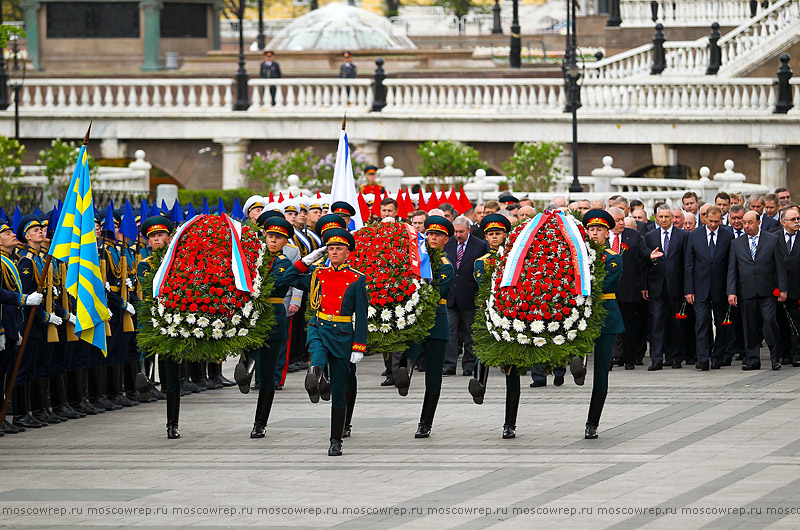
x: 462, y: 251
x: 756, y: 271
x: 706, y: 287
x: 270, y: 70
x: 664, y: 290
x: 789, y: 339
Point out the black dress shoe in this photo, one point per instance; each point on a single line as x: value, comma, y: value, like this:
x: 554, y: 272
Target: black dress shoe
x: 242, y: 377
x: 539, y: 382
x: 639, y: 363
x: 278, y: 386
x: 726, y: 363
x: 748, y: 367
x: 467, y: 373
x: 389, y: 381
x: 423, y: 431
x: 795, y: 363
x: 256, y: 386
x: 630, y: 367
x: 701, y: 366
x: 451, y: 371
x: 776, y: 366
x: 591, y: 431
x: 259, y: 431
x: 654, y: 367
x: 578, y: 371
x: 677, y: 364
x: 558, y: 380
x: 738, y: 357
x: 348, y: 430
x: 509, y: 431
x: 27, y: 422
x: 9, y: 428
x: 325, y: 388
x: 336, y: 448
x: 715, y: 365
x: 385, y: 373
x: 312, y: 386
x: 477, y: 390
x: 402, y: 380
x: 172, y: 431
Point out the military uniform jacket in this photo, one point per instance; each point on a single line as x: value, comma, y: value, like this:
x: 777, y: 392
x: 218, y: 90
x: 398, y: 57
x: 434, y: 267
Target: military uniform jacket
x: 347, y: 71
x: 482, y: 264
x: 280, y: 265
x: 114, y: 280
x: 11, y: 298
x: 270, y: 70
x: 441, y: 327
x: 31, y: 266
x: 338, y: 295
x: 613, y: 266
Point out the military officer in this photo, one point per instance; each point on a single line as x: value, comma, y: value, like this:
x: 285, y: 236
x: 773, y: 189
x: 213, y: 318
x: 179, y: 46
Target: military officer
x: 291, y: 210
x: 371, y: 173
x: 347, y: 70
x: 344, y: 210
x: 157, y: 229
x: 253, y: 207
x: 438, y: 231
x: 337, y: 333
x: 496, y: 228
x: 598, y: 223
x: 270, y: 69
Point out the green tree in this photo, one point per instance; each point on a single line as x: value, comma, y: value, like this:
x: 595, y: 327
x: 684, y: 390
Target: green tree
x: 458, y: 8
x: 449, y: 163
x: 11, y: 153
x: 58, y: 163
x: 268, y: 171
x: 533, y: 167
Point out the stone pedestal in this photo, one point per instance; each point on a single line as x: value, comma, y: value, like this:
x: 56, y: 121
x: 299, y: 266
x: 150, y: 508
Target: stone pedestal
x: 603, y: 175
x: 390, y: 176
x: 234, y: 156
x: 142, y: 165
x: 774, y: 166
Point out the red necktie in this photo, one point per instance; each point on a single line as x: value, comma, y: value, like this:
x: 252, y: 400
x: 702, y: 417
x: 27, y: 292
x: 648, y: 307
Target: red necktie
x: 615, y: 245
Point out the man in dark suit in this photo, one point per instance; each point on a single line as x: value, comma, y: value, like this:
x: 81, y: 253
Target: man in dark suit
x: 736, y: 225
x: 462, y: 251
x: 757, y: 202
x: 706, y: 288
x: 756, y: 270
x: 664, y: 290
x: 789, y: 343
x: 270, y: 70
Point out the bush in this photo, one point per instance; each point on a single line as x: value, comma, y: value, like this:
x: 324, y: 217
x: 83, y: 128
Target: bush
x: 449, y: 163
x: 533, y: 167
x: 11, y: 153
x: 58, y: 163
x: 323, y: 170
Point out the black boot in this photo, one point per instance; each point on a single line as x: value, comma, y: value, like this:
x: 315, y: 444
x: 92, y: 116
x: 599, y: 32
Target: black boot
x: 99, y: 376
x: 477, y: 385
x: 82, y: 387
x: 312, y: 383
x: 215, y: 374
x: 429, y: 403
x: 129, y: 372
x: 577, y: 368
x: 243, y: 374
x: 206, y: 373
x: 402, y: 379
x: 338, y: 415
x: 512, y: 406
x: 173, y: 412
x: 595, y: 410
x: 58, y: 391
x: 40, y: 401
x: 325, y: 386
x: 21, y: 401
x: 350, y: 400
x: 263, y: 407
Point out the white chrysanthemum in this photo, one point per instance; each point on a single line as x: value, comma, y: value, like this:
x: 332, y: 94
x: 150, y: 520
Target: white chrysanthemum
x: 163, y: 331
x: 247, y: 309
x: 177, y: 319
x: 415, y: 297
x: 235, y: 319
x: 371, y: 312
x: 161, y: 309
x: 399, y: 311
x: 496, y: 336
x: 385, y: 328
x: 216, y: 334
x: 537, y: 326
x: 218, y: 323
x: 494, y: 317
x: 568, y: 322
x: 154, y: 322
x: 409, y: 306
x: 574, y: 314
x: 256, y: 314
x: 197, y: 332
x: 153, y: 311
x: 523, y: 339
x: 504, y: 323
x: 500, y: 252
x: 518, y: 325
x: 411, y: 318
x: 589, y: 301
x: 184, y: 333
x: 168, y: 318
x: 191, y: 318
x: 572, y: 334
x: 171, y: 331
x: 558, y: 340
x: 582, y: 325
x: 243, y: 332
x: 592, y: 254
x: 587, y: 312
x: 372, y: 327
x: 230, y: 332
x: 580, y: 300
x: 506, y: 336
x: 202, y: 322
x: 253, y: 322
x: 552, y: 327
x: 386, y: 315
x: 401, y: 323
x: 539, y: 341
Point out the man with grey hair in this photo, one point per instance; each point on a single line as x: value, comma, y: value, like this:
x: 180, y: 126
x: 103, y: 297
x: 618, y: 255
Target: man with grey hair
x: 599, y: 204
x: 525, y: 213
x: 462, y: 251
x: 560, y: 201
x: 689, y: 222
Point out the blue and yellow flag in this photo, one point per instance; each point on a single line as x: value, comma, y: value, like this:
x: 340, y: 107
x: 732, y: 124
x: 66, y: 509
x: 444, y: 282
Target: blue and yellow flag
x: 75, y: 244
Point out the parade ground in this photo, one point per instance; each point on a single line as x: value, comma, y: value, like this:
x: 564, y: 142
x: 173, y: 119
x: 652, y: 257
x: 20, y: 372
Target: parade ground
x: 677, y: 449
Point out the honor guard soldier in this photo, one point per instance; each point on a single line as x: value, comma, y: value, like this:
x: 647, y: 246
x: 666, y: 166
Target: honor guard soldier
x: 439, y: 230
x: 347, y: 70
x: 314, y: 214
x: 157, y: 230
x: 344, y: 210
x: 371, y: 172
x: 496, y: 228
x: 253, y: 207
x: 337, y: 333
x: 598, y: 223
x: 270, y: 69
x: 301, y: 224
x: 291, y: 209
x: 14, y: 302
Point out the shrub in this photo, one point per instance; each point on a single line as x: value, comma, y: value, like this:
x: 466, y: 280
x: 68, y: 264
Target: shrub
x: 449, y: 163
x: 533, y: 167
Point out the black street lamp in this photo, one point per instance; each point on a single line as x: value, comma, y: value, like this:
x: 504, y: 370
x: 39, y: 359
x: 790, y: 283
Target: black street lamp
x: 17, y: 85
x: 514, y: 58
x: 497, y: 28
x: 242, y: 92
x: 3, y: 72
x: 260, y: 40
x: 572, y: 74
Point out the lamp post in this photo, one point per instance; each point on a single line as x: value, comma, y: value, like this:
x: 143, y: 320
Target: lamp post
x: 497, y: 28
x: 17, y: 85
x: 260, y: 40
x: 572, y: 75
x: 242, y: 95
x: 514, y: 58
x: 3, y: 72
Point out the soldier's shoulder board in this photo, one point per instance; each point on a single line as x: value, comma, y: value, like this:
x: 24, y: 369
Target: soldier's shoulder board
x: 609, y: 251
x: 484, y: 257
x: 281, y: 256
x: 445, y: 260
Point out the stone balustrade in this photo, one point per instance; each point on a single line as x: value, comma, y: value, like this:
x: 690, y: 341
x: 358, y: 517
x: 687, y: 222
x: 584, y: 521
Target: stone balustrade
x: 297, y: 93
x: 639, y: 13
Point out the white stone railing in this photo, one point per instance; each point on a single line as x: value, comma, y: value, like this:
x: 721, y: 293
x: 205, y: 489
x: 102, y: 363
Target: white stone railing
x: 637, y: 13
x: 630, y: 63
x: 686, y: 57
x: 296, y: 93
x: 126, y: 95
x: 750, y: 43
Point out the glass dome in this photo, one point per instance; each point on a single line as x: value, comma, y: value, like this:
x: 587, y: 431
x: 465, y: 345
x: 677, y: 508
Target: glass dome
x: 340, y: 27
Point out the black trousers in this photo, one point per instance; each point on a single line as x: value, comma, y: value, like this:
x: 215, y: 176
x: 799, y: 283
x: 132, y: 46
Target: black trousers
x: 634, y: 340
x: 715, y: 343
x: 460, y: 338
x: 666, y: 343
x: 759, y: 314
x: 789, y: 343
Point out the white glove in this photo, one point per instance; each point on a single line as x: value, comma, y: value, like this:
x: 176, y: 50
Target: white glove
x: 2, y: 342
x: 129, y: 308
x: 55, y: 319
x: 129, y: 283
x: 314, y: 255
x: 110, y: 314
x: 72, y: 319
x: 356, y: 356
x: 108, y: 286
x: 55, y: 291
x: 34, y: 299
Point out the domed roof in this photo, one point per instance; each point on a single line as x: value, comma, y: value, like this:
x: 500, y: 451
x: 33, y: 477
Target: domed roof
x: 340, y: 27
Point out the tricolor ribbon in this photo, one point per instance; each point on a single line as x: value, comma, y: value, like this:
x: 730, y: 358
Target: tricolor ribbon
x: 413, y: 250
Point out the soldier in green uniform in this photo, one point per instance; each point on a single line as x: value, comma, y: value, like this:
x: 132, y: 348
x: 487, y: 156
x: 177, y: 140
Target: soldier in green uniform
x: 438, y: 231
x: 495, y: 227
x: 337, y: 333
x: 157, y: 230
x: 598, y: 223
